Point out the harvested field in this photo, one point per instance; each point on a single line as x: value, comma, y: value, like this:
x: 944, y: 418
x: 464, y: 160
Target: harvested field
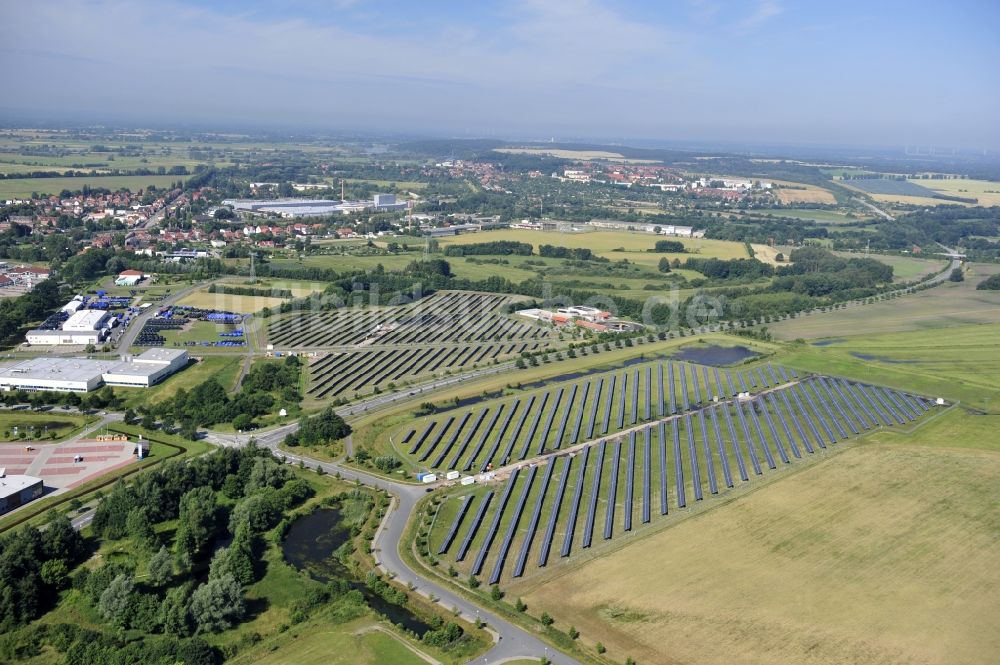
x: 880, y: 554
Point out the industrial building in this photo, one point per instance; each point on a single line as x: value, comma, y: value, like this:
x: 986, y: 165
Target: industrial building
x: 15, y: 491
x: 84, y: 326
x: 315, y: 207
x: 83, y: 374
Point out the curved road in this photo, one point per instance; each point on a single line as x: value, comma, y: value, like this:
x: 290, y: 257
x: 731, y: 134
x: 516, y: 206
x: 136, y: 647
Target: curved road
x: 513, y: 641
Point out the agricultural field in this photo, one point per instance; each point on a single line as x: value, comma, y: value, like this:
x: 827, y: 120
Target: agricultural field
x: 985, y: 191
x: 23, y: 187
x: 889, y: 187
x: 946, y: 305
x: 959, y: 363
x: 858, y: 558
x: 660, y: 465
x: 610, y: 244
x: 225, y: 302
x: 832, y: 217
x: 582, y: 155
x: 809, y: 194
x: 905, y: 268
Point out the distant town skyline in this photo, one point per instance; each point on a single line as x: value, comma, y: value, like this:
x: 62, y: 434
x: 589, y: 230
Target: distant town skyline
x: 850, y: 73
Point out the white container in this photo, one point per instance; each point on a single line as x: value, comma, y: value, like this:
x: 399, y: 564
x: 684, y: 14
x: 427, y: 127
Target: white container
x: 468, y: 480
x: 452, y: 475
x: 428, y: 478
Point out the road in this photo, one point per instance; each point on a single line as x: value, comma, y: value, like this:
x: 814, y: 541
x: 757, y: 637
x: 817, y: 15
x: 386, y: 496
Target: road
x: 124, y: 343
x: 512, y: 642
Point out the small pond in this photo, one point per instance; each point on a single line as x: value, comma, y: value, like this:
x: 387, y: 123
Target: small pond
x: 310, y: 545
x: 719, y: 356
x: 882, y: 359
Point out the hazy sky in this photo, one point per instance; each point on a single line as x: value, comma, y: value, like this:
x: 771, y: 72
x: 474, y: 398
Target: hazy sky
x: 821, y: 72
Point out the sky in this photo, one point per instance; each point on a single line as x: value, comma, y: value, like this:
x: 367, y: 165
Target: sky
x: 759, y: 71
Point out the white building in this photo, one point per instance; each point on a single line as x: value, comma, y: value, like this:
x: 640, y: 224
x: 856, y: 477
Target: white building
x: 86, y: 320
x: 15, y: 491
x: 83, y: 374
x: 63, y: 337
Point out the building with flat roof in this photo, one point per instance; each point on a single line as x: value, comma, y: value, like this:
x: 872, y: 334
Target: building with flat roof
x: 84, y: 374
x: 15, y: 491
x: 85, y: 320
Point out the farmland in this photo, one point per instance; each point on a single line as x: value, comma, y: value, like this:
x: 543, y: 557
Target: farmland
x: 946, y: 305
x: 23, y: 187
x: 686, y: 448
x: 849, y: 560
x: 985, y: 191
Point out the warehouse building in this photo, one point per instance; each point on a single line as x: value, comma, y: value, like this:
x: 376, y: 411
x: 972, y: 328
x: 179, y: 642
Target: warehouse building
x: 83, y: 374
x: 15, y: 491
x: 84, y: 326
x: 147, y: 369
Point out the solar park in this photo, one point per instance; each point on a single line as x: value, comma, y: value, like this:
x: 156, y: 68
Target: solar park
x: 572, y: 493
x: 355, y: 349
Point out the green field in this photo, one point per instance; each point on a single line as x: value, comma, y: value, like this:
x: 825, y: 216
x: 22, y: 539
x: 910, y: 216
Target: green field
x: 814, y: 215
x: 949, y: 304
x: 611, y: 244
x: 224, y: 369
x: 960, y: 363
x: 905, y: 268
x: 24, y: 187
x: 36, y: 426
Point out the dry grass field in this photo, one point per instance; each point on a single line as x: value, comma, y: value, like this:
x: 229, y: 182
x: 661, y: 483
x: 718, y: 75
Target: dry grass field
x: 987, y: 192
x: 229, y: 303
x: 943, y: 306
x: 576, y: 154
x: 883, y: 553
x: 809, y: 195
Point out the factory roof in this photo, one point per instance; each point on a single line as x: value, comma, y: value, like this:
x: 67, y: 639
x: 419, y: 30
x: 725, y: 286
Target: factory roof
x: 58, y: 369
x: 159, y: 355
x: 11, y: 485
x: 87, y: 319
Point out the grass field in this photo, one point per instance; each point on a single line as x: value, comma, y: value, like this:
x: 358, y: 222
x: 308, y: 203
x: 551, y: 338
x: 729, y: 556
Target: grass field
x: 961, y: 363
x: 815, y: 215
x: 229, y: 303
x: 583, y: 155
x: 36, y: 426
x: 354, y: 642
x: 904, y: 268
x: 880, y: 554
x: 811, y: 194
x: 946, y: 305
x: 611, y: 244
x: 224, y: 369
x: 986, y: 191
x: 23, y: 187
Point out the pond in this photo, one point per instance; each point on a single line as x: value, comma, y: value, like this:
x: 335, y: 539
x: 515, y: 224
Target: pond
x: 718, y: 356
x: 310, y: 545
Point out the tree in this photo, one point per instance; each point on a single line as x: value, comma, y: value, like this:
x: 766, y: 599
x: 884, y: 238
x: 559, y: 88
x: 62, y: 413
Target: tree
x: 956, y: 275
x: 496, y: 593
x: 175, y: 612
x: 600, y: 647
x: 473, y: 582
x: 243, y: 422
x: 116, y: 598
x: 139, y: 527
x: 664, y: 264
x: 197, y: 520
x: 55, y: 573
x: 161, y: 567
x: 573, y: 633
x: 217, y: 605
x: 520, y: 605
x: 546, y: 619
x: 779, y: 257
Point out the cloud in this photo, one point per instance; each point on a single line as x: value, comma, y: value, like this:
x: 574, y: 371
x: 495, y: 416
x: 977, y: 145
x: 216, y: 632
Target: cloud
x: 762, y: 13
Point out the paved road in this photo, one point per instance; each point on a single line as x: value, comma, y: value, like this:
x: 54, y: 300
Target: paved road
x: 514, y: 642
x: 126, y: 340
